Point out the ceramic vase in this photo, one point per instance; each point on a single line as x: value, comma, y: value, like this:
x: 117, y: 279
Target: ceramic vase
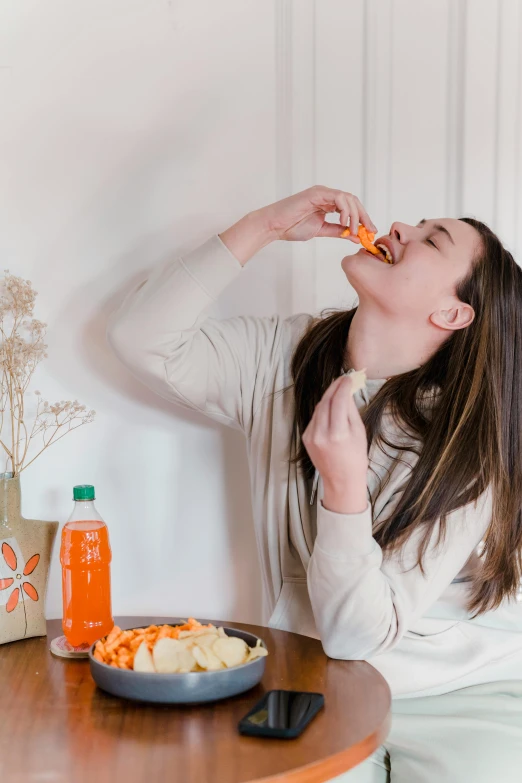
x: 25, y: 558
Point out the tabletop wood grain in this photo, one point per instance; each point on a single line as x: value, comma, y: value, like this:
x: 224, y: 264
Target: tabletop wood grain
x: 58, y: 727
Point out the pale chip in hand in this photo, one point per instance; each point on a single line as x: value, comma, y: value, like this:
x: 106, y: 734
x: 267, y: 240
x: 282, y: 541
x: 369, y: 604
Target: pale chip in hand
x: 358, y: 379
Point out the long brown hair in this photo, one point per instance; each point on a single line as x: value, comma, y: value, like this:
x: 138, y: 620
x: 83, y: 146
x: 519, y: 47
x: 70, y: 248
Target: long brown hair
x: 470, y: 442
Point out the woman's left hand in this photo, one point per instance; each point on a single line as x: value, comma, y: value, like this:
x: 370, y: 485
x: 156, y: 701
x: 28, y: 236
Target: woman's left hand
x: 336, y: 442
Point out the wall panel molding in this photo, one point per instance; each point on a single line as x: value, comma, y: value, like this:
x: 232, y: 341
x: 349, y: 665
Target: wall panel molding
x: 508, y: 127
x: 377, y: 108
x: 283, y: 34
x: 518, y: 158
x: 456, y: 32
x: 413, y: 106
x: 283, y: 89
x: 480, y: 106
x: 297, y: 36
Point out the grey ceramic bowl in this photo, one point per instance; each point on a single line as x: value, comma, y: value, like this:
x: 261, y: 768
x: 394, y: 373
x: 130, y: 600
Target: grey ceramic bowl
x: 190, y: 688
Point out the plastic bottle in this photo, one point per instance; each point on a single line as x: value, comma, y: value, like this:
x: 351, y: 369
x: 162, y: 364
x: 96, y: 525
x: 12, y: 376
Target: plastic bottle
x: 85, y: 555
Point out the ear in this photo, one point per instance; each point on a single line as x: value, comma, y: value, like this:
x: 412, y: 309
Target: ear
x: 457, y: 317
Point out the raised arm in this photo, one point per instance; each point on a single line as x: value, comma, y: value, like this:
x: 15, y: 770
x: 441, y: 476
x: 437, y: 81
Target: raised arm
x: 162, y: 333
x: 219, y: 367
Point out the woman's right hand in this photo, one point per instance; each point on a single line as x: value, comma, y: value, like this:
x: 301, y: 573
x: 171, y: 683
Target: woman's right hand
x: 297, y: 218
x: 302, y: 216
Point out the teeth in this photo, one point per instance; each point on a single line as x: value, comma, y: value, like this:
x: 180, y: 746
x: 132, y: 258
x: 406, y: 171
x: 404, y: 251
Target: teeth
x: 389, y: 257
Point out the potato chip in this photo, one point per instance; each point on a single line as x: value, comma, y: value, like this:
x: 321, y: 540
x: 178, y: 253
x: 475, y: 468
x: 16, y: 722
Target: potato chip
x: 256, y: 652
x: 193, y: 634
x: 143, y: 661
x: 205, y: 640
x: 185, y: 644
x: 232, y: 651
x: 358, y: 378
x: 186, y: 661
x: 165, y: 656
x: 186, y: 647
x: 206, y: 658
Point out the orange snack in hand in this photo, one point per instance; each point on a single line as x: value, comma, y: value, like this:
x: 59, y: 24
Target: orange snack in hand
x: 366, y: 238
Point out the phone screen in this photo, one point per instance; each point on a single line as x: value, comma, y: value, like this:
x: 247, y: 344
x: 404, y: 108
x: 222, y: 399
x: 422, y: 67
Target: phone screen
x: 282, y: 713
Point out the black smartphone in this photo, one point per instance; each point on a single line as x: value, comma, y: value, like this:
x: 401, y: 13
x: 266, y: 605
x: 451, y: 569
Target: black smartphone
x: 283, y: 714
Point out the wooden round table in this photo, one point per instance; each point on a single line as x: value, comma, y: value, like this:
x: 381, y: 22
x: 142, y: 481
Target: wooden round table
x: 58, y: 727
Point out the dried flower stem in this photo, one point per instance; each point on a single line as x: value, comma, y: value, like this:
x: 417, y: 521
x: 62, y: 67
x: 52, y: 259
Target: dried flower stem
x: 22, y: 348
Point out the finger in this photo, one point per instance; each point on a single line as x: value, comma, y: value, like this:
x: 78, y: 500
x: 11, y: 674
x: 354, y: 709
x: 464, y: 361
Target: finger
x: 347, y: 207
x: 349, y: 215
x: 354, y: 417
x: 322, y: 413
x: 335, y: 230
x: 324, y: 199
x: 339, y: 421
x: 319, y: 422
x: 342, y: 202
x: 343, y: 207
x: 345, y: 392
x: 330, y: 200
x: 354, y: 216
x: 323, y: 403
x: 365, y: 218
x: 332, y: 388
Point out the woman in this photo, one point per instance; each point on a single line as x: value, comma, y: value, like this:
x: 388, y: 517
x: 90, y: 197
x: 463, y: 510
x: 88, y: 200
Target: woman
x: 418, y: 473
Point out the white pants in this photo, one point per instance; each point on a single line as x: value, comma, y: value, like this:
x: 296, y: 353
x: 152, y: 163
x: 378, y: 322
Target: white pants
x: 473, y: 735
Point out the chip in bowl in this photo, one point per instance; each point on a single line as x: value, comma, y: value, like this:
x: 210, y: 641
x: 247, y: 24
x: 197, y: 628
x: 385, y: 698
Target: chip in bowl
x: 175, y: 649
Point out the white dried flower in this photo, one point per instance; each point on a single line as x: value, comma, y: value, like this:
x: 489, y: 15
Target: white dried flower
x: 22, y: 348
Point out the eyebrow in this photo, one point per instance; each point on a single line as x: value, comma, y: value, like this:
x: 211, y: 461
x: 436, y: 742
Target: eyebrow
x: 438, y: 227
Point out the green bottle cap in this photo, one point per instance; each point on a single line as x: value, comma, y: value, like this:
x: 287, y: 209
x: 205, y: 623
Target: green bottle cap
x: 83, y: 492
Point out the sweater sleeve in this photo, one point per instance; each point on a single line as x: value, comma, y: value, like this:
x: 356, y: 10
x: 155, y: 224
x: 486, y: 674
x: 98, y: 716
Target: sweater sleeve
x: 162, y: 334
x: 363, y: 604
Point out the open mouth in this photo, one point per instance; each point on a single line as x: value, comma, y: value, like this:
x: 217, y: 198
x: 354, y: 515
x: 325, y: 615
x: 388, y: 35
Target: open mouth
x: 385, y: 255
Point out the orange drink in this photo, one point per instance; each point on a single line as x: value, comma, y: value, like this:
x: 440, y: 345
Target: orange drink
x: 85, y: 555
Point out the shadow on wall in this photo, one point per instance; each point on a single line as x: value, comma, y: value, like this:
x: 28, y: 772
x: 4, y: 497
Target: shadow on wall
x: 99, y: 362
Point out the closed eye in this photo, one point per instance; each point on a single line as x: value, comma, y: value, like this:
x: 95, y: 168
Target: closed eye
x: 432, y: 243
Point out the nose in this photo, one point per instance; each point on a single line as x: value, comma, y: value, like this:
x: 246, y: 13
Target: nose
x: 402, y: 232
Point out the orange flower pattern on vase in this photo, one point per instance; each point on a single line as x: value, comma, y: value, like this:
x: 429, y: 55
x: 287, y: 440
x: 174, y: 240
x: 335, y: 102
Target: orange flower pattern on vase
x: 11, y: 560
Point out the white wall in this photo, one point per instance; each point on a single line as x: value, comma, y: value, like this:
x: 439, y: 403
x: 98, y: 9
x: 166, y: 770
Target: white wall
x: 416, y: 106
x: 133, y: 129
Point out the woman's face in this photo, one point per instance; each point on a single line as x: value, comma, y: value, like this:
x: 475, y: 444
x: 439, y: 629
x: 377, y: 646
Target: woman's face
x: 429, y: 261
